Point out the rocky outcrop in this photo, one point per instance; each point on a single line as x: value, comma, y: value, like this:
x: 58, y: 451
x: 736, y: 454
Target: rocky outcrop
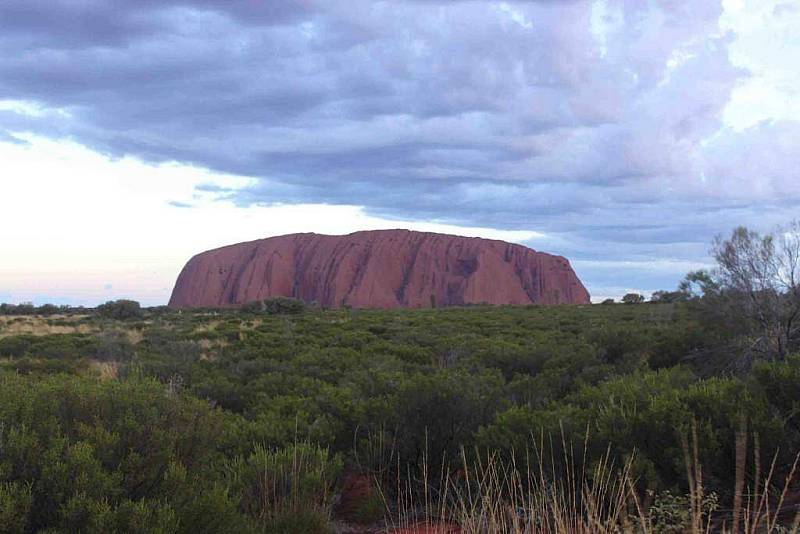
x: 377, y: 269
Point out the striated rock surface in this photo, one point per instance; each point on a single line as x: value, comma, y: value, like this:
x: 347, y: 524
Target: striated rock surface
x: 377, y: 269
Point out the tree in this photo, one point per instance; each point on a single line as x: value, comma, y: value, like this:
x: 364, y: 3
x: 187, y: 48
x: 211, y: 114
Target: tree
x: 26, y: 308
x: 48, y: 309
x: 667, y: 297
x: 698, y: 284
x: 633, y: 298
x: 275, y: 306
x: 760, y: 278
x: 120, y: 309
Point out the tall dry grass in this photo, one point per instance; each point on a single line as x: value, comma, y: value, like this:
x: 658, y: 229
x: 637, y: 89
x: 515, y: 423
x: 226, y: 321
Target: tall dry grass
x: 289, y: 489
x: 487, y: 494
x: 35, y: 325
x: 767, y: 507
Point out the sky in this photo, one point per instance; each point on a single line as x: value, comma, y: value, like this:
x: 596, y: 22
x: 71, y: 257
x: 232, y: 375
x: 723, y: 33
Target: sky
x: 622, y: 134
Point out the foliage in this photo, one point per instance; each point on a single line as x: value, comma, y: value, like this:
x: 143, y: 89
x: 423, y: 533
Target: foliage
x: 288, y: 490
x: 275, y: 306
x: 120, y: 310
x: 79, y: 455
x: 229, y: 420
x: 439, y: 413
x: 668, y: 297
x: 28, y: 308
x: 15, y: 506
x: 632, y: 298
x: 671, y: 514
x: 697, y: 284
x: 759, y: 276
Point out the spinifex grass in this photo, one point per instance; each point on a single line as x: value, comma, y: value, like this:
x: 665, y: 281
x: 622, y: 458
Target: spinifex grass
x: 489, y: 494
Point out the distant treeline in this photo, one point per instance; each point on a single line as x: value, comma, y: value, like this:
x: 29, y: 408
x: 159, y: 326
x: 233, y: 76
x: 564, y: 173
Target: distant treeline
x: 125, y: 308
x: 115, y: 309
x: 28, y: 308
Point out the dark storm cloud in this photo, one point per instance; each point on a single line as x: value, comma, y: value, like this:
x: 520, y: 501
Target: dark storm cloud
x: 595, y: 122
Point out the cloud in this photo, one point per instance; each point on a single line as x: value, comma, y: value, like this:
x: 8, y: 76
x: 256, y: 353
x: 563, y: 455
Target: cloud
x: 104, y: 228
x: 8, y: 138
x: 177, y: 204
x: 602, y: 124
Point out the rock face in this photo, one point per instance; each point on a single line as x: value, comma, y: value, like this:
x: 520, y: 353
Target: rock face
x: 377, y: 269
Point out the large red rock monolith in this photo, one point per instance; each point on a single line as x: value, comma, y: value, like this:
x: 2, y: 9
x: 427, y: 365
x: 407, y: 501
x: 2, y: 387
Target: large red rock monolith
x: 377, y: 269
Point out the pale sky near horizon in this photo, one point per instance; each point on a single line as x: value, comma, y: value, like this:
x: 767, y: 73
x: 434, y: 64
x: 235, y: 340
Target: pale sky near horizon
x: 104, y: 229
x: 622, y: 137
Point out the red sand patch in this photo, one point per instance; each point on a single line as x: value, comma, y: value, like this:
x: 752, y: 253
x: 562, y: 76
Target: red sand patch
x: 356, y: 489
x: 428, y: 528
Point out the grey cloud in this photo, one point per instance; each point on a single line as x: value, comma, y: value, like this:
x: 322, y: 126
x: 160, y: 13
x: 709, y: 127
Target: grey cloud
x: 602, y: 129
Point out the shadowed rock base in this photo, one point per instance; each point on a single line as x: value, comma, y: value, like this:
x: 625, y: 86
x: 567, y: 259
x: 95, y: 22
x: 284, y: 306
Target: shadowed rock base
x: 377, y: 269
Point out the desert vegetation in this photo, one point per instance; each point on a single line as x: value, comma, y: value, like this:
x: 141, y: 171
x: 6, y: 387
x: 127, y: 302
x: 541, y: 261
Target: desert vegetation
x: 677, y: 415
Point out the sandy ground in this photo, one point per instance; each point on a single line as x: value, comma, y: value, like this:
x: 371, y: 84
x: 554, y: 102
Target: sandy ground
x: 11, y: 325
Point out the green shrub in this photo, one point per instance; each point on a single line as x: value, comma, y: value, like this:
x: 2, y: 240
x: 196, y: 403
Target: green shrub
x: 15, y: 506
x: 16, y: 346
x: 633, y: 298
x: 289, y: 490
x: 166, y: 443
x: 90, y: 456
x: 437, y: 414
x: 120, y: 310
x: 275, y: 306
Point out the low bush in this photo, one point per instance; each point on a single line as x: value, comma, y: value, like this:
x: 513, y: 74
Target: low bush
x: 275, y: 306
x: 120, y: 310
